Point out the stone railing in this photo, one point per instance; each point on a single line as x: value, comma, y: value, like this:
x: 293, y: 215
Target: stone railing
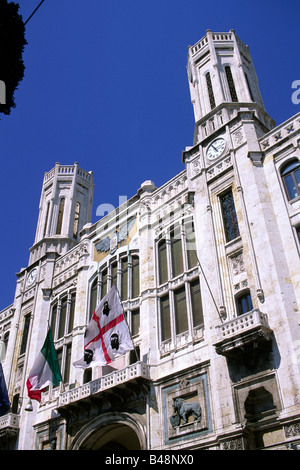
x: 10, y: 420
x: 67, y: 170
x: 118, y: 377
x: 182, y: 340
x: 242, y: 324
x: 6, y: 313
x: 215, y: 37
x: 282, y: 131
x: 199, y: 45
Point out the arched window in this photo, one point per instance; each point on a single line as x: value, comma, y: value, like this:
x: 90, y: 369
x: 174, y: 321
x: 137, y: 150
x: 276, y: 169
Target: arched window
x: 93, y: 299
x: 249, y: 87
x: 179, y: 302
x: 210, y: 91
x: 165, y: 318
x: 62, y: 322
x: 230, y: 221
x: 196, y: 302
x: 60, y: 216
x: 176, y: 250
x: 123, y: 273
x: 162, y: 261
x: 103, y: 283
x: 62, y: 315
x: 124, y: 278
x: 181, y: 319
x: 290, y: 174
x: 190, y: 243
x: 46, y: 220
x: 135, y: 322
x: 25, y: 333
x: 15, y: 403
x: 231, y: 85
x: 244, y: 303
x: 72, y: 301
x: 3, y: 346
x: 114, y: 273
x: 181, y: 308
x: 135, y: 274
x: 76, y: 220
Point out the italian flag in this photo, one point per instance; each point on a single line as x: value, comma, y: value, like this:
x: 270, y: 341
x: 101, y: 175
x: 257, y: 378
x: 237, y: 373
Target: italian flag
x: 45, y: 370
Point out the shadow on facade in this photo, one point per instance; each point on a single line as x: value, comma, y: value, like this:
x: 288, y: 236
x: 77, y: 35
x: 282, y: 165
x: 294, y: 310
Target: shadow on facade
x: 253, y: 360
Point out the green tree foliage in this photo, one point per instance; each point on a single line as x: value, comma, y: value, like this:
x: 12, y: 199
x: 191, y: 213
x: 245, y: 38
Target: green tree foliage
x: 12, y: 42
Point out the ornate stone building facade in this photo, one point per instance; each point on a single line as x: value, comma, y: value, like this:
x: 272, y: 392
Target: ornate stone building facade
x: 207, y: 267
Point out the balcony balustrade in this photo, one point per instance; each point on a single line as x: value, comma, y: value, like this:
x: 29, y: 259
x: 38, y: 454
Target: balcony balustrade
x: 247, y: 331
x: 118, y: 386
x: 9, y: 425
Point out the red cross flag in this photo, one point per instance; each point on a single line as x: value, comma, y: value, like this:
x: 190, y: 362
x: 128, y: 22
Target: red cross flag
x: 107, y: 335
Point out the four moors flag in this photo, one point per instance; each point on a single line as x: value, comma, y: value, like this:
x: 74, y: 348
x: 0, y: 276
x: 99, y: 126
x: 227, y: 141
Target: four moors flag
x: 107, y: 335
x: 45, y: 370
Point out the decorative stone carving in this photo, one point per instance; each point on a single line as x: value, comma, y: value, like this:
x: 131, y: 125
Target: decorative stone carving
x: 186, y: 408
x: 238, y: 137
x: 237, y: 263
x: 219, y: 168
x: 196, y: 167
x: 46, y: 294
x: 233, y: 444
x: 183, y: 410
x: 292, y: 430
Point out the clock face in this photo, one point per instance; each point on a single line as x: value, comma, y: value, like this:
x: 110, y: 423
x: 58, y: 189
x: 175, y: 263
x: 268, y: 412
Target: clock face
x: 216, y: 148
x: 31, y: 277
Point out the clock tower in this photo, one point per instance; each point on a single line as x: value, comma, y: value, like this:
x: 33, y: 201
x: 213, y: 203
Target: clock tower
x: 230, y: 119
x: 222, y: 82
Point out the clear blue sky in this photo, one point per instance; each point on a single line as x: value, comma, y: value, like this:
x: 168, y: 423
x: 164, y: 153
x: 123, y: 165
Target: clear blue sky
x: 106, y: 85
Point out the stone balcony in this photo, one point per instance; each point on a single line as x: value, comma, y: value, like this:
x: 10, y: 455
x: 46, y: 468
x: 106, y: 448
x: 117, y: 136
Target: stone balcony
x: 243, y: 334
x: 9, y: 425
x: 106, y: 393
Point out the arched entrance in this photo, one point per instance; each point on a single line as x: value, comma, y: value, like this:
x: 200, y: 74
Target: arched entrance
x: 112, y: 431
x: 114, y: 437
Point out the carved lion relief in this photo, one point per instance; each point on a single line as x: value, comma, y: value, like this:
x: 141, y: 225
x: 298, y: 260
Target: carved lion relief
x: 186, y: 408
x: 183, y: 410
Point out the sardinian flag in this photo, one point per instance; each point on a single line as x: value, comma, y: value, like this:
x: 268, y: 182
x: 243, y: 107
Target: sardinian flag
x: 107, y: 335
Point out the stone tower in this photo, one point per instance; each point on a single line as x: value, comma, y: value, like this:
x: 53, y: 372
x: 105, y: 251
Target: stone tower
x: 65, y: 207
x: 222, y: 82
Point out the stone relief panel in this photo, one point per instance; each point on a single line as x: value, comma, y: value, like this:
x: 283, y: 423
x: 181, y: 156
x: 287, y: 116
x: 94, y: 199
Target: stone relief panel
x: 237, y: 264
x: 292, y: 430
x: 238, y: 270
x: 233, y: 444
x: 195, y: 167
x: 186, y: 409
x: 220, y: 167
x: 238, y: 137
